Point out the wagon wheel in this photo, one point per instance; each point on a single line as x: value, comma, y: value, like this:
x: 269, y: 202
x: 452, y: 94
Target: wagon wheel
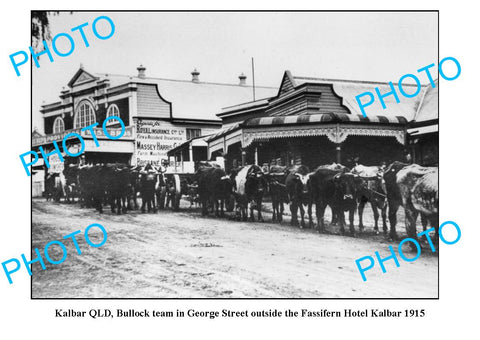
x: 177, y: 194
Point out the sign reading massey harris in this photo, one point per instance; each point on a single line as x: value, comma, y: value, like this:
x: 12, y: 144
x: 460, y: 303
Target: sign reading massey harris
x: 154, y: 139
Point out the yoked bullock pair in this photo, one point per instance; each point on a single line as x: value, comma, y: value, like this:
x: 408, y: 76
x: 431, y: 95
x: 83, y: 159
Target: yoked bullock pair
x: 412, y: 186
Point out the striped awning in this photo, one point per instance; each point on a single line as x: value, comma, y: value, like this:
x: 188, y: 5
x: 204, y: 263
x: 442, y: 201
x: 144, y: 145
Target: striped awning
x: 324, y: 118
x: 223, y: 132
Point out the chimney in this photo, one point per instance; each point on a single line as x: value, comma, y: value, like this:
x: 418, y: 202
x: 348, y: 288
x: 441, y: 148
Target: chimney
x: 243, y: 79
x: 195, y: 75
x: 141, y: 71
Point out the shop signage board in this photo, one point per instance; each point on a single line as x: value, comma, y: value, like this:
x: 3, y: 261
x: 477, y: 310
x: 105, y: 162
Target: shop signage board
x: 154, y: 139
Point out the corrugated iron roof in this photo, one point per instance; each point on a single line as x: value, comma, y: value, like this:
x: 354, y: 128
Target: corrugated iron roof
x: 223, y: 131
x: 349, y: 89
x: 196, y: 99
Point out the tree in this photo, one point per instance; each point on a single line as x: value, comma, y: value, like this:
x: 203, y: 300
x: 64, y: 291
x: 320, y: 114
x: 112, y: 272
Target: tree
x: 41, y: 28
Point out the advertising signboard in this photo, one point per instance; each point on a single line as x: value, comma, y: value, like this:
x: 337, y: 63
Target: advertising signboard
x: 154, y: 139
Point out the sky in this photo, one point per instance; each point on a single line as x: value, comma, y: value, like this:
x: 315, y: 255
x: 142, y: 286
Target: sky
x: 378, y: 46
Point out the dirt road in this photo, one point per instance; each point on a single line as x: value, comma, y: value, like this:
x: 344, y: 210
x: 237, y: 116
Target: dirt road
x: 183, y: 255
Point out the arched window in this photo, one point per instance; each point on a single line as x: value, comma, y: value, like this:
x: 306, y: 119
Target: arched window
x: 58, y: 125
x: 112, y: 111
x: 85, y: 115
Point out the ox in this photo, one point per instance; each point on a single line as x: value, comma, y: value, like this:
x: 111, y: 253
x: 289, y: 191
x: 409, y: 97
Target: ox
x: 416, y: 189
x: 297, y: 183
x: 371, y: 189
x: 336, y: 189
x: 53, y: 187
x: 250, y: 185
x: 214, y: 187
x: 92, y: 185
x: 277, y: 190
x: 98, y: 183
x: 339, y: 167
x: 419, y: 190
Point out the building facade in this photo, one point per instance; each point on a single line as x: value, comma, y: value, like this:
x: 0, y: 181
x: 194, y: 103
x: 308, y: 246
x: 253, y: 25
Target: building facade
x: 159, y: 114
x: 314, y: 121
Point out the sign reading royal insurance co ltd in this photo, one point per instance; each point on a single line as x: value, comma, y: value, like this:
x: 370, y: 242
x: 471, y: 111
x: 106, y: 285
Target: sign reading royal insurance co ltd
x: 154, y: 139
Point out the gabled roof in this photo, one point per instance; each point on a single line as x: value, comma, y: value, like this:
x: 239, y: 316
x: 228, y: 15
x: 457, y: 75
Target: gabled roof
x: 421, y: 107
x: 349, y: 89
x: 288, y: 83
x: 200, y: 100
x: 81, y: 76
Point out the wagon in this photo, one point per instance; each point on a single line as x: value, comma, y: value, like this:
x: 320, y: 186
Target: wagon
x: 176, y: 186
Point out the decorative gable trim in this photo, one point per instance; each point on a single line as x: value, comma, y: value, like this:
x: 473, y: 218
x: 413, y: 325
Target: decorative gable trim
x: 81, y: 77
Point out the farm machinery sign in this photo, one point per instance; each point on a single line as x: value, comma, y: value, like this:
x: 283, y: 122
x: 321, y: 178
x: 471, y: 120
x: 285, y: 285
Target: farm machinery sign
x: 154, y: 139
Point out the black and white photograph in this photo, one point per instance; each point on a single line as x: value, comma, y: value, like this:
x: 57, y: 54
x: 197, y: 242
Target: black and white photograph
x: 252, y: 170
x: 218, y: 155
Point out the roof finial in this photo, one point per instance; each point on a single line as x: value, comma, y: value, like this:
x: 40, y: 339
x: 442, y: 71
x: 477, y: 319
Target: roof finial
x: 81, y: 66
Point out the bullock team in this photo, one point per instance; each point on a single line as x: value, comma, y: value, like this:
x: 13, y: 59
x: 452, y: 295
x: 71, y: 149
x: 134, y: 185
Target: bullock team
x: 342, y: 189
x: 118, y: 185
x: 243, y: 190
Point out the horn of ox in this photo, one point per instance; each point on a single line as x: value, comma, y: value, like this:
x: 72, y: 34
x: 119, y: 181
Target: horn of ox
x: 275, y: 173
x: 370, y: 178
